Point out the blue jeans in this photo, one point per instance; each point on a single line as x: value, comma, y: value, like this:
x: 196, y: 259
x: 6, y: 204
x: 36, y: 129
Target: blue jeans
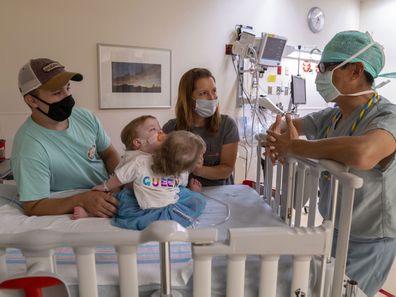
x: 369, y: 261
x: 130, y: 216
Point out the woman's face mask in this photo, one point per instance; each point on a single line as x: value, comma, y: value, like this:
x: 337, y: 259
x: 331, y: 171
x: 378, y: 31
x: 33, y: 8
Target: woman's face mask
x: 58, y: 111
x: 324, y: 80
x: 206, y: 108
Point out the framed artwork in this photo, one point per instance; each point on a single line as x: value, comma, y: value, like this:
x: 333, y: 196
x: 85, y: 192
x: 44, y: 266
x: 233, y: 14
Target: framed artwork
x: 134, y: 77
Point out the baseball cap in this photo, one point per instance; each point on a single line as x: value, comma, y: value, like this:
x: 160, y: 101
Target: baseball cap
x: 46, y: 74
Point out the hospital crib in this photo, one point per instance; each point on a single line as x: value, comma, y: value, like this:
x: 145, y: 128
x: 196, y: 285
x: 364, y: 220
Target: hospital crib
x: 269, y: 243
x: 296, y: 182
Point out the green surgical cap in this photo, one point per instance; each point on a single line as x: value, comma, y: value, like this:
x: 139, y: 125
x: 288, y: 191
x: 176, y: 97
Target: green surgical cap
x: 345, y: 44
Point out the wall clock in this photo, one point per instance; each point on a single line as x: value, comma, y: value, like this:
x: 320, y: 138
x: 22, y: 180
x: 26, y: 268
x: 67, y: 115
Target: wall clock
x: 316, y: 19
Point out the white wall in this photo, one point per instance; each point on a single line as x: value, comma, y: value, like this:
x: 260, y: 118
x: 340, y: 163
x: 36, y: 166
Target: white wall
x: 195, y: 31
x: 378, y: 18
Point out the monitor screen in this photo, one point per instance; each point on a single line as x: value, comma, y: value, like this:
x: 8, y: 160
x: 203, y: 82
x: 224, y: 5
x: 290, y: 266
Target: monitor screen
x: 271, y: 49
x: 298, y: 93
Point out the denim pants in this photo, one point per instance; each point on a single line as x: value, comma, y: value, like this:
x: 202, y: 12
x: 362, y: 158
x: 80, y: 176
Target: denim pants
x: 185, y: 211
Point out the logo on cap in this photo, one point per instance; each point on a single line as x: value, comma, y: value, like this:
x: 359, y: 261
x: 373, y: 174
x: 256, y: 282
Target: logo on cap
x: 51, y: 66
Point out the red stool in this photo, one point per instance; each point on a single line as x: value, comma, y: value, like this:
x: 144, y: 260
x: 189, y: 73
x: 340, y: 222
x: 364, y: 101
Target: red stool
x: 31, y: 285
x: 385, y: 293
x: 249, y: 183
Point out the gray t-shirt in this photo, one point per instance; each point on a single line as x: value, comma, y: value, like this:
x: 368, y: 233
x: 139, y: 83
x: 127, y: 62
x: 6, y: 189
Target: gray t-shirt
x: 228, y: 133
x: 374, y: 209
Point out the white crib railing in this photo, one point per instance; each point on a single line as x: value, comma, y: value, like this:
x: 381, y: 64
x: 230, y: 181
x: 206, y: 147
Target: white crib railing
x: 269, y: 244
x: 38, y: 248
x: 296, y: 182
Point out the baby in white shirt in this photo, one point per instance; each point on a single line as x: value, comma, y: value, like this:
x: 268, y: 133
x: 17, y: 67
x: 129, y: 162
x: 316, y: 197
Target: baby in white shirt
x: 156, y: 165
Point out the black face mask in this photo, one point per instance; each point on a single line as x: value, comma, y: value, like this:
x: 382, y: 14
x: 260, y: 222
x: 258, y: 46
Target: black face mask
x: 59, y: 111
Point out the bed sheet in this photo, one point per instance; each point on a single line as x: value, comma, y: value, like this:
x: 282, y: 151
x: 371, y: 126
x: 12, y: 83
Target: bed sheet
x: 245, y: 207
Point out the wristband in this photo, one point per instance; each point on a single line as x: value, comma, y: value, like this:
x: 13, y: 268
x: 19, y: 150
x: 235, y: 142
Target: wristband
x: 105, y: 187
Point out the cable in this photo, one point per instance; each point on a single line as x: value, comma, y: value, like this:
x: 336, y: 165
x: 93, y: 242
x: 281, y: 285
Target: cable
x: 246, y: 94
x: 254, y: 108
x: 253, y: 103
x: 227, y: 217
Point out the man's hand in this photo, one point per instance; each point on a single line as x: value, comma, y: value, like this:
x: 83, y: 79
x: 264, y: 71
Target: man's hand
x: 291, y: 129
x: 277, y: 144
x: 275, y: 127
x: 99, y: 204
x: 96, y: 203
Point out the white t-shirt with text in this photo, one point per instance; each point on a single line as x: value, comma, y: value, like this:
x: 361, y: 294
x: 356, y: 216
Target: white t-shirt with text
x: 151, y: 190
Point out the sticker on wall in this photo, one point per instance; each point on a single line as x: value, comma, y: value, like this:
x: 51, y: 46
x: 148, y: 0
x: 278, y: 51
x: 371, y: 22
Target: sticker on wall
x: 271, y: 78
x: 310, y: 67
x: 306, y: 66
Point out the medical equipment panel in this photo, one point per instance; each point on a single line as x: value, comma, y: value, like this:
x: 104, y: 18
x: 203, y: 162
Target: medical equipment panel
x: 298, y: 90
x: 271, y: 49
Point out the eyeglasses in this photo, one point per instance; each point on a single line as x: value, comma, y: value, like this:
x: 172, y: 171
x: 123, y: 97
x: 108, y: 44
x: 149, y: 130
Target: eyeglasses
x: 324, y: 66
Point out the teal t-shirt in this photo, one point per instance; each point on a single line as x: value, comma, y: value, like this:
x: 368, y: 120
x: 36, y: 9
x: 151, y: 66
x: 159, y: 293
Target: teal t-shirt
x: 45, y: 160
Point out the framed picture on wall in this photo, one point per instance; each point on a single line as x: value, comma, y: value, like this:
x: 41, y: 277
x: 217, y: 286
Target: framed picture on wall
x: 134, y: 77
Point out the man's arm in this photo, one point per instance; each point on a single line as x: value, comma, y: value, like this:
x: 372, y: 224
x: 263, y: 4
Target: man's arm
x: 110, y: 157
x: 362, y: 152
x: 293, y: 127
x: 298, y: 125
x: 96, y: 203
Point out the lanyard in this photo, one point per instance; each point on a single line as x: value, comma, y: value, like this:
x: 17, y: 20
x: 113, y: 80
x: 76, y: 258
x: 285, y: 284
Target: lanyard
x: 366, y: 107
x: 334, y: 120
x: 336, y: 117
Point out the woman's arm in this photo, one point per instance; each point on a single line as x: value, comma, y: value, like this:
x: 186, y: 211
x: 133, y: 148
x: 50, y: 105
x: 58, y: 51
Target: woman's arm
x: 224, y: 170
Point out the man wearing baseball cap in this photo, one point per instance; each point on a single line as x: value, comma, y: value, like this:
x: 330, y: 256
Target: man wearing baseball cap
x: 359, y: 131
x: 60, y: 146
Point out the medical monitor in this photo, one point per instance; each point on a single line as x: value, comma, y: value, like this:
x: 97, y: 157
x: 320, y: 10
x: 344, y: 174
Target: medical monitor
x: 298, y: 91
x: 271, y: 49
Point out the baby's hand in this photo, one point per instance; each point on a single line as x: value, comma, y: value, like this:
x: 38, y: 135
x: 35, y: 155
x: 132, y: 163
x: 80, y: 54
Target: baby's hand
x: 195, y: 185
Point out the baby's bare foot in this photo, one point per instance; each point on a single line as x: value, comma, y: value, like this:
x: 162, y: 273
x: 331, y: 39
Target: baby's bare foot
x: 79, y: 213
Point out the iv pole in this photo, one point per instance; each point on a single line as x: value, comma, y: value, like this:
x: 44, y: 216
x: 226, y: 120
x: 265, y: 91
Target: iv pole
x: 299, y: 58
